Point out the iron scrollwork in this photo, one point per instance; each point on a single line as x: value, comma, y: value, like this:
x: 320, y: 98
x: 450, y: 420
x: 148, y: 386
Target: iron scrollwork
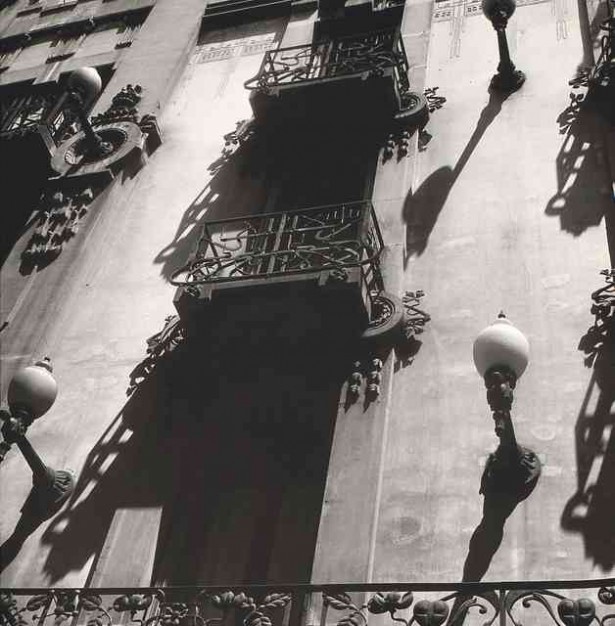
x: 343, y: 605
x: 330, y: 238
x: 367, y: 55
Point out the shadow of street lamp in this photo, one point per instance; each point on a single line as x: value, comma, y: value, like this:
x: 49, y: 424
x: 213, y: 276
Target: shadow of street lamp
x: 31, y: 393
x: 508, y: 78
x: 501, y: 354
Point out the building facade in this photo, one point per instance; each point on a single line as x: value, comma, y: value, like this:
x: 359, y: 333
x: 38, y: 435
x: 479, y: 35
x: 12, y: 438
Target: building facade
x: 260, y: 290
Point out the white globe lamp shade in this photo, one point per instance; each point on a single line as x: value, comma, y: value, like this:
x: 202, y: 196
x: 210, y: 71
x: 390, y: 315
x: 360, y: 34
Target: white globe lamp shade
x: 33, y: 389
x: 501, y: 344
x: 87, y: 81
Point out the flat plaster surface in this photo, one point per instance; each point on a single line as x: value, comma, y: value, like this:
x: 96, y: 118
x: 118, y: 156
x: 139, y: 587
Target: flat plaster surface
x: 491, y: 246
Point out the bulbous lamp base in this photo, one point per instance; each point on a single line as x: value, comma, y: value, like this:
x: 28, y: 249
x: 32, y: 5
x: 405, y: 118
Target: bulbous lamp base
x: 507, y: 82
x: 508, y: 474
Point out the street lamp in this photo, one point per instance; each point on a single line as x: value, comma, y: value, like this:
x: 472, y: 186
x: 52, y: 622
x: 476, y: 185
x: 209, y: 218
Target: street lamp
x: 84, y: 84
x: 31, y: 393
x: 501, y: 354
x: 498, y: 12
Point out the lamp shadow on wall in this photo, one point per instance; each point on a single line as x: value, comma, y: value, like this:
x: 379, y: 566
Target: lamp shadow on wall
x: 584, y: 191
x: 106, y: 482
x: 591, y: 509
x: 422, y: 207
x: 127, y: 468
x: 484, y: 543
x: 227, y: 443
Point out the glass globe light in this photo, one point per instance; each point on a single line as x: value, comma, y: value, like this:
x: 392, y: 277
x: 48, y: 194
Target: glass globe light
x: 501, y: 344
x: 33, y: 389
x: 498, y: 8
x: 86, y: 81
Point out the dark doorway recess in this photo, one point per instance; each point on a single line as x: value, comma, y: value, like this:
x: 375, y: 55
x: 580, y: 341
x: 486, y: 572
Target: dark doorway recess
x: 251, y: 446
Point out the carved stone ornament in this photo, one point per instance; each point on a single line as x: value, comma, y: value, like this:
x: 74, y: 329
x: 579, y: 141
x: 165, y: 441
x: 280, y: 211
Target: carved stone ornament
x: 120, y: 128
x: 83, y: 173
x: 126, y: 139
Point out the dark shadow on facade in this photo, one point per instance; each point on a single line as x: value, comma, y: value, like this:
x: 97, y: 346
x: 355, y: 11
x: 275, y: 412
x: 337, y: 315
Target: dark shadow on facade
x: 484, y: 543
x: 237, y: 187
x: 127, y: 468
x: 584, y: 193
x: 228, y: 437
x: 263, y: 170
x: 29, y: 520
x: 422, y: 207
x: 247, y: 496
x: 591, y: 510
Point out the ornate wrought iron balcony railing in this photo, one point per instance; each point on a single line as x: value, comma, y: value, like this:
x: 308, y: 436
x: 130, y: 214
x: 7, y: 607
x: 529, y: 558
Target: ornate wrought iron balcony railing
x: 563, y: 603
x: 275, y: 245
x: 32, y: 110
x: 361, y: 56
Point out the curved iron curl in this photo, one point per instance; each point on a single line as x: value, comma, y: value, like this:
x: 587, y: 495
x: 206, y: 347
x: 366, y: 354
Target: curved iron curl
x: 197, y: 265
x: 605, y: 618
x: 527, y: 597
x: 53, y: 596
x: 482, y: 609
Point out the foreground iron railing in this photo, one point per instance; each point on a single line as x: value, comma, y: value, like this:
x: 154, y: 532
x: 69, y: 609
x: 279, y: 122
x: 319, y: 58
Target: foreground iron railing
x: 334, y: 237
x: 23, y: 113
x: 366, y: 55
x: 564, y: 603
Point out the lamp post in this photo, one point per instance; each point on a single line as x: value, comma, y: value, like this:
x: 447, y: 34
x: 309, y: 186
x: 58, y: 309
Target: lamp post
x: 31, y: 393
x: 84, y: 84
x: 501, y: 354
x: 498, y: 12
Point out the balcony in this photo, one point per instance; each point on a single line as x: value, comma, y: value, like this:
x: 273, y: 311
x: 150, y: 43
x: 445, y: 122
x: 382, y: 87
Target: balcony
x: 34, y: 118
x: 562, y: 603
x: 347, y: 78
x: 324, y: 257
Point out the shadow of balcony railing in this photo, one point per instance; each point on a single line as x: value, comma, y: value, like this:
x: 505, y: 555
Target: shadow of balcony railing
x: 564, y: 603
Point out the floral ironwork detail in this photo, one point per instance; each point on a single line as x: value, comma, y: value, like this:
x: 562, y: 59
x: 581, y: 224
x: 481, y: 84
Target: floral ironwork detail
x: 123, y: 107
x: 493, y: 602
x: 334, y: 237
x: 364, y: 56
x: 389, y: 602
x: 367, y: 55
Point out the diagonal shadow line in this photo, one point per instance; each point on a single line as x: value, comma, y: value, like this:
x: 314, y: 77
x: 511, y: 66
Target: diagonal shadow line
x: 422, y: 208
x: 484, y: 543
